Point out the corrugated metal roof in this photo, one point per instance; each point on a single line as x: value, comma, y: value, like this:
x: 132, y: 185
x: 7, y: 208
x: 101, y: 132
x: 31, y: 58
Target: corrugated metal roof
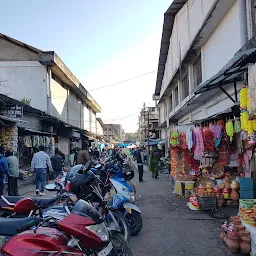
x: 230, y: 71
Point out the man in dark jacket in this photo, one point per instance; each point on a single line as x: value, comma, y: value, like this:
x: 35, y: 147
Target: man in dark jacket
x: 83, y: 156
x: 140, y: 158
x: 3, y: 170
x: 56, y: 164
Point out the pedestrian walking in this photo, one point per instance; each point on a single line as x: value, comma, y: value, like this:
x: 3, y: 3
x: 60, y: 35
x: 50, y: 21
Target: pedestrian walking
x: 75, y: 156
x: 72, y: 158
x: 83, y: 155
x: 63, y: 158
x: 3, y: 170
x: 13, y: 173
x: 140, y: 158
x: 153, y: 162
x: 96, y: 153
x: 39, y: 164
x: 56, y: 164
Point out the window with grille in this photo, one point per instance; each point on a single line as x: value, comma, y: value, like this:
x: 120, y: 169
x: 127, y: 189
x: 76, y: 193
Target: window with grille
x: 185, y: 87
x: 176, y: 96
x: 165, y: 109
x: 170, y: 103
x: 197, y: 71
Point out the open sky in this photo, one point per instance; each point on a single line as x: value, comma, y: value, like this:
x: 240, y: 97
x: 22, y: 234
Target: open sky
x: 101, y: 41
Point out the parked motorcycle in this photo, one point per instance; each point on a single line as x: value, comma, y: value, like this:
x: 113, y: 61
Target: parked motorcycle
x: 82, y: 232
x: 88, y: 186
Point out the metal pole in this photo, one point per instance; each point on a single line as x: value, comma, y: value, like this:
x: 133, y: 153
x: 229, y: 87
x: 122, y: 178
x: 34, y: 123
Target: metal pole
x: 148, y: 134
x: 144, y: 122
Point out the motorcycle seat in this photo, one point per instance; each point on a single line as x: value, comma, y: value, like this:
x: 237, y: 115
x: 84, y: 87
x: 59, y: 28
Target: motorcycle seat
x: 41, y: 202
x: 9, y: 226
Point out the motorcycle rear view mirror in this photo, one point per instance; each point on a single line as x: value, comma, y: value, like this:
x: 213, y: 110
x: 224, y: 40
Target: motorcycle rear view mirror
x: 24, y: 206
x: 50, y: 187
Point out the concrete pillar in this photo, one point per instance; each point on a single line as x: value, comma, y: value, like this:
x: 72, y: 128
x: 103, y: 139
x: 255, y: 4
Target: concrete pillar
x: 243, y: 21
x: 49, y: 92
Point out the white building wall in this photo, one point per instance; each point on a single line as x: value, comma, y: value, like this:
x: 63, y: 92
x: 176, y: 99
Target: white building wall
x: 222, y: 44
x: 99, y: 128
x: 74, y: 112
x: 93, y: 122
x: 161, y: 114
x: 186, y: 25
x: 25, y: 79
x: 86, y: 119
x: 59, y: 101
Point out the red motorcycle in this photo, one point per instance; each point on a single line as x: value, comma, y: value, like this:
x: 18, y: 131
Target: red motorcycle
x: 82, y: 232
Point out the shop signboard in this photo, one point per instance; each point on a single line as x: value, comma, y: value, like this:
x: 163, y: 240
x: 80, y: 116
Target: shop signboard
x: 12, y: 111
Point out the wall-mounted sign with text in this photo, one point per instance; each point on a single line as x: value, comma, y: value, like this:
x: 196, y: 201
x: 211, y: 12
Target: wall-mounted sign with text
x: 12, y: 111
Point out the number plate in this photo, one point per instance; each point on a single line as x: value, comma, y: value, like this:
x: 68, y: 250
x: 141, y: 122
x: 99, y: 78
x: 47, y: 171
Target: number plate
x: 106, y: 250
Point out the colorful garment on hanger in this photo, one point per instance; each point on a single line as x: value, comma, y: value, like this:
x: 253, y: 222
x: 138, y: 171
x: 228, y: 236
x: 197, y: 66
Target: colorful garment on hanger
x: 216, y: 130
x: 199, y: 147
x: 223, y: 153
x: 208, y: 139
x: 189, y: 138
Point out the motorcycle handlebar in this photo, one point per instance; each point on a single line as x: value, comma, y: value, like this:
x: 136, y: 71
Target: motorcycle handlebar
x: 28, y: 225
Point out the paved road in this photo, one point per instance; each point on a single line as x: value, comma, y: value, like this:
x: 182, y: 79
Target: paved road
x: 170, y: 227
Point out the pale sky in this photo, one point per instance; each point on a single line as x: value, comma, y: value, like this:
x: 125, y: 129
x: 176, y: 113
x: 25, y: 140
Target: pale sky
x: 101, y: 41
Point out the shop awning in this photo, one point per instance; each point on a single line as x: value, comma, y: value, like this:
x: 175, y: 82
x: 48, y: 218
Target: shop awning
x: 40, y: 132
x: 13, y: 120
x: 231, y: 72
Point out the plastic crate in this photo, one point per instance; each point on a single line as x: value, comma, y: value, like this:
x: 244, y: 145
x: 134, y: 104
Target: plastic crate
x: 246, y: 184
x: 246, y: 194
x: 207, y: 202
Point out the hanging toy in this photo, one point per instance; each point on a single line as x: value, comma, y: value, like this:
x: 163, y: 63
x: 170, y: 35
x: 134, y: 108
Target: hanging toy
x: 230, y: 130
x: 243, y: 97
x: 250, y: 127
x: 244, y: 120
x: 237, y: 126
x: 254, y: 124
x: 248, y: 104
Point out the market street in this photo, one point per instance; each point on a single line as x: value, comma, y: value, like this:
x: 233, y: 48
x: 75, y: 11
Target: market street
x: 170, y: 227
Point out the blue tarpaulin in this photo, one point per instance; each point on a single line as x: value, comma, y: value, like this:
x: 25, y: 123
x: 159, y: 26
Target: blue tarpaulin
x: 153, y: 142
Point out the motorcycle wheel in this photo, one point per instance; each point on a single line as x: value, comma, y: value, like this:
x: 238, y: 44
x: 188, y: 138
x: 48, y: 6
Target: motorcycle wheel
x: 135, y: 222
x: 120, y: 246
x: 123, y: 225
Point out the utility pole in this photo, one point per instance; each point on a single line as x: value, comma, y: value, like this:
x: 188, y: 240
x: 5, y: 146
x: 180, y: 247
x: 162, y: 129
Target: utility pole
x: 144, y: 121
x: 148, y: 135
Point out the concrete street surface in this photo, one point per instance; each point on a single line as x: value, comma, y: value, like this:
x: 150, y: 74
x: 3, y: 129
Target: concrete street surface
x: 170, y: 228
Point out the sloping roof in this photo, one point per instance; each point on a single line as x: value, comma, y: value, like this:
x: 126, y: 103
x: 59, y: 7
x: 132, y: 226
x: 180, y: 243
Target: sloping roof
x: 19, y: 43
x: 169, y: 17
x: 50, y: 58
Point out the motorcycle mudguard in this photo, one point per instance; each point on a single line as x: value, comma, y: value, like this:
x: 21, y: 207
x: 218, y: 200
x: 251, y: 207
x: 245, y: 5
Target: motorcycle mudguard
x: 118, y: 201
x: 132, y: 207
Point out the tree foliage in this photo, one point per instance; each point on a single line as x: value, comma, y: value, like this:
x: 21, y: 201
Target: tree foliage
x: 131, y: 136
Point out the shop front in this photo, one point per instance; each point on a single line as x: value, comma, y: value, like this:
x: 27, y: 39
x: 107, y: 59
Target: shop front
x: 208, y: 161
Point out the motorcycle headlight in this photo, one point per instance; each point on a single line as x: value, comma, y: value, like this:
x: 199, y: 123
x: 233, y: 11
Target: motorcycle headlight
x: 132, y: 197
x: 100, y: 230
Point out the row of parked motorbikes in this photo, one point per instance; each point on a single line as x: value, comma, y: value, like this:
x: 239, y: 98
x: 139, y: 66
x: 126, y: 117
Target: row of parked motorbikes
x: 92, y: 213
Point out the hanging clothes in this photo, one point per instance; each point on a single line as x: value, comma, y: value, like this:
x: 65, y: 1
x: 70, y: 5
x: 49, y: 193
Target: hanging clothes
x: 189, y: 138
x: 199, y: 146
x: 223, y: 152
